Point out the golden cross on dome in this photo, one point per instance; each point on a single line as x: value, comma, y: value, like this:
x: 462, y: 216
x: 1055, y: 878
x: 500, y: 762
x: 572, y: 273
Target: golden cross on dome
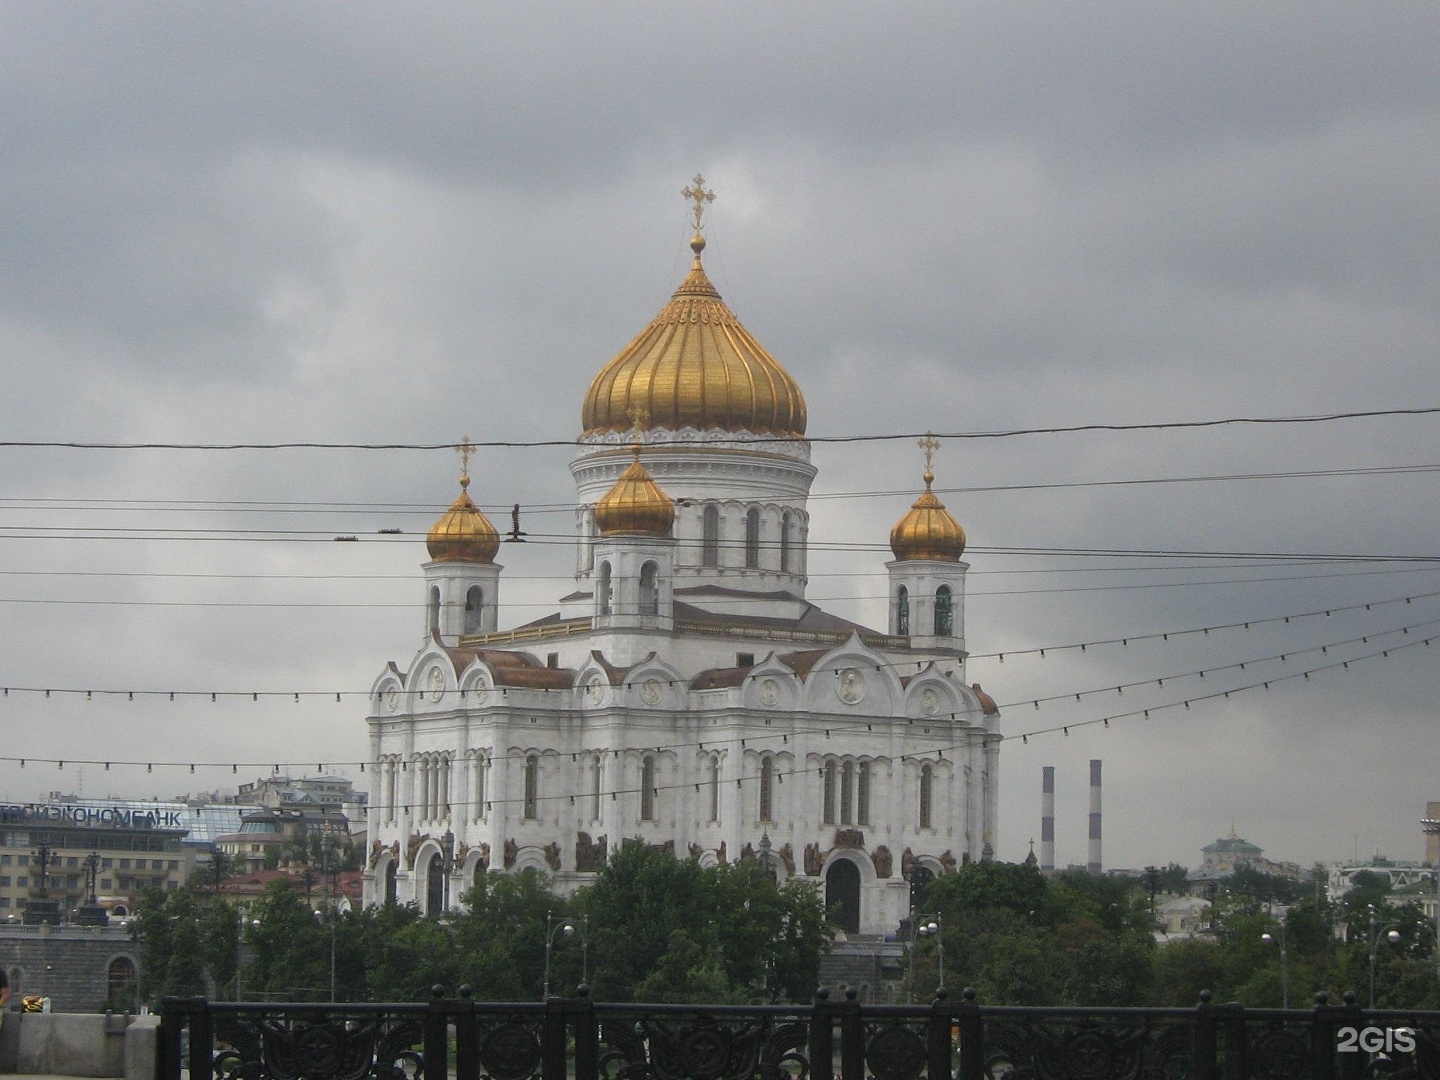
x: 699, y: 196
x: 465, y: 450
x: 929, y: 444
x: 639, y: 417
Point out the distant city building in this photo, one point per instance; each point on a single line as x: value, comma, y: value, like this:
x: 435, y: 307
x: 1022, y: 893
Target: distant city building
x: 1402, y: 877
x: 306, y: 792
x: 276, y: 838
x: 1228, y: 854
x: 341, y: 890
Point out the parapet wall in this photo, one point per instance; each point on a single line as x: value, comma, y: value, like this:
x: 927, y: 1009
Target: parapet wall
x: 71, y: 965
x: 79, y: 1044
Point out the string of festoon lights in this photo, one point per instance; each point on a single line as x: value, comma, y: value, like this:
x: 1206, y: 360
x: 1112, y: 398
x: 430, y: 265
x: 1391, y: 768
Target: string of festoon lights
x: 826, y: 729
x: 1040, y: 652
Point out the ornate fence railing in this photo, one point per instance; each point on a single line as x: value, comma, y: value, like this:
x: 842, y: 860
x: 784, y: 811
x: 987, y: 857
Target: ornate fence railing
x: 834, y: 1038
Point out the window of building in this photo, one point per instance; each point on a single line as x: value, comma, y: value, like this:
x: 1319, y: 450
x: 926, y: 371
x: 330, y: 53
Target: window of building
x: 827, y: 794
x: 602, y: 590
x: 902, y: 612
x: 847, y: 793
x: 767, y: 794
x: 710, y: 536
x: 597, y: 772
x: 647, y: 789
x: 432, y: 612
x: 72, y: 860
x: 752, y: 538
x: 944, y: 612
x: 106, y: 884
x: 785, y: 543
x: 4, y: 901
x: 4, y: 880
x: 6, y: 860
x: 650, y: 589
x: 862, y: 794
x: 927, y: 783
x: 714, y: 788
x: 532, y: 787
x: 474, y: 602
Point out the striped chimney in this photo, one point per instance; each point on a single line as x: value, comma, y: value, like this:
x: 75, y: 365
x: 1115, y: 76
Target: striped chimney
x: 1094, y: 864
x: 1047, y: 818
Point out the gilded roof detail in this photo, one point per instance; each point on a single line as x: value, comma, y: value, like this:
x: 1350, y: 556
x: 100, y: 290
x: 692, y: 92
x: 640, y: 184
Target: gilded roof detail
x: 695, y: 366
x: 635, y: 506
x: 463, y: 533
x: 928, y: 531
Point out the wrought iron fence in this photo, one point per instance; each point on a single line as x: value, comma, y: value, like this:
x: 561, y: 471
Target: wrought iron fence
x: 834, y: 1037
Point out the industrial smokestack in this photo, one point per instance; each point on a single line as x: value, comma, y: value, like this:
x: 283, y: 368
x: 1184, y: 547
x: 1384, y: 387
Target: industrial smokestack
x: 1047, y: 818
x: 1094, y: 864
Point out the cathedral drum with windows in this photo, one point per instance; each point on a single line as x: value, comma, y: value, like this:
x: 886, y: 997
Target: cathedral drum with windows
x: 686, y: 695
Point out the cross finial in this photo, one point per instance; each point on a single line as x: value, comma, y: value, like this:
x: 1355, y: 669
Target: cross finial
x: 929, y: 444
x: 699, y: 196
x: 465, y: 450
x: 639, y: 418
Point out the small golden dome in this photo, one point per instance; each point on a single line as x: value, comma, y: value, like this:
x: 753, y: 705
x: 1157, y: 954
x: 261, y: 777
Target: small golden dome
x: 463, y: 533
x: 695, y: 366
x: 927, y: 531
x: 635, y: 506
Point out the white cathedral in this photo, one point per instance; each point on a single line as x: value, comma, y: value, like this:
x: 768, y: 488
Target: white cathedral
x: 686, y: 695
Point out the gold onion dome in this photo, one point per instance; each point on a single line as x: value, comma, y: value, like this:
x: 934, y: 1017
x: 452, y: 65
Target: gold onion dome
x: 635, y: 506
x: 927, y: 531
x: 463, y: 533
x: 695, y: 366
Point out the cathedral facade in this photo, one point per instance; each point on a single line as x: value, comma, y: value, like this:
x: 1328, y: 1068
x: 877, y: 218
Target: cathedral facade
x: 685, y: 694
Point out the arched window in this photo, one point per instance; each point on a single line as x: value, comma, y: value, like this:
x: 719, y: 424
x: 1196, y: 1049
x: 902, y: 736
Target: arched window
x: 432, y: 613
x: 596, y: 776
x: 715, y: 788
x: 481, y: 765
x: 752, y: 538
x: 121, y: 985
x: 647, y: 789
x: 532, y: 787
x: 847, y: 793
x: 902, y: 612
x: 927, y: 784
x: 602, y: 590
x: 767, y: 791
x: 650, y: 589
x: 474, y: 601
x: 785, y: 543
x: 827, y: 795
x: 862, y: 795
x: 710, y: 537
x: 944, y: 612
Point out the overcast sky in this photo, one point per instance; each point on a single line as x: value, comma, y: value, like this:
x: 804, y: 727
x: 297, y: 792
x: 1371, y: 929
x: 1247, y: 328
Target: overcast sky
x: 403, y: 224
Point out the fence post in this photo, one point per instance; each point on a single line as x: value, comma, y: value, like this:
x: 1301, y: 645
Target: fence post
x: 467, y: 1039
x: 972, y: 1037
x: 175, y: 1014
x: 1204, y: 1047
x: 436, y: 1031
x: 852, y: 1037
x: 1235, y: 1045
x: 1352, y: 1065
x: 552, y: 1040
x: 937, y: 1037
x: 202, y: 1041
x: 822, y: 1036
x: 587, y: 1035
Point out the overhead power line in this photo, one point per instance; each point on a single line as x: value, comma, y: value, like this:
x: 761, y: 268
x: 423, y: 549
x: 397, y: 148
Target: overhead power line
x: 1171, y: 425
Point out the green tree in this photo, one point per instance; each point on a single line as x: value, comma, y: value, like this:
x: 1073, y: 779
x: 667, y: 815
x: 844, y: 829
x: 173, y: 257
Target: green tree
x: 500, y: 938
x: 292, y: 950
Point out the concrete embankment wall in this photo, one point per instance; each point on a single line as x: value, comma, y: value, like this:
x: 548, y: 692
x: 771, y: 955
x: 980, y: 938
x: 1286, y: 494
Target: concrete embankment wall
x: 80, y: 1044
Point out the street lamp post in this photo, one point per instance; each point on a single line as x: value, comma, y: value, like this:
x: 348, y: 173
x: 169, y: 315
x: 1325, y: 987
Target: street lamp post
x: 1284, y: 963
x: 1393, y: 936
x: 567, y: 927
x: 1432, y: 828
x: 925, y: 925
x: 240, y: 950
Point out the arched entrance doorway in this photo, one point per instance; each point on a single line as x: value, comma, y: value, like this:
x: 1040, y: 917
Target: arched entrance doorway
x: 435, y: 886
x: 842, y: 895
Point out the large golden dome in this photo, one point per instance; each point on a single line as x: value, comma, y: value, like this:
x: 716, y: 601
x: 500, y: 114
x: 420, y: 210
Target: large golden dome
x: 635, y: 506
x: 463, y: 533
x: 927, y: 531
x: 695, y: 366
